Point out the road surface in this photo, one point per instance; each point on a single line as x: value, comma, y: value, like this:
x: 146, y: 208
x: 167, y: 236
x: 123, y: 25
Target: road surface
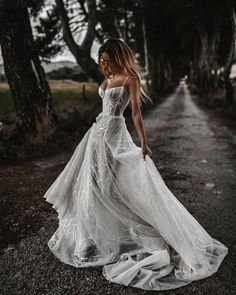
x: 193, y: 149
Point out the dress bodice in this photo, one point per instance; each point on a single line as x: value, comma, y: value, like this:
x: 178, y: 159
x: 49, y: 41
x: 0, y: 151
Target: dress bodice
x: 114, y: 100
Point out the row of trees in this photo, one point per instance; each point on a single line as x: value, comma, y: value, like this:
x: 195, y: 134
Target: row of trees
x: 170, y: 38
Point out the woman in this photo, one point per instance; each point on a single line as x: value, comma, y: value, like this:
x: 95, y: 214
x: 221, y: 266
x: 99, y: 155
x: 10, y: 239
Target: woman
x: 113, y: 206
x: 117, y: 64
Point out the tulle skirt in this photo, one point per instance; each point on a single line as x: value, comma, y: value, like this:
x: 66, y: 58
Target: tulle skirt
x: 115, y: 211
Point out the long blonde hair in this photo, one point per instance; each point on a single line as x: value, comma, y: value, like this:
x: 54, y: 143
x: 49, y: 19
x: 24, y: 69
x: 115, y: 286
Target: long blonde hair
x: 123, y: 57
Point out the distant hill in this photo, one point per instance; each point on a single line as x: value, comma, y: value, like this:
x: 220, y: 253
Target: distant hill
x: 65, y: 70
x: 54, y: 66
x: 59, y: 70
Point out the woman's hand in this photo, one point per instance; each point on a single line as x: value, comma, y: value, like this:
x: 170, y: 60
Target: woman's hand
x: 146, y: 151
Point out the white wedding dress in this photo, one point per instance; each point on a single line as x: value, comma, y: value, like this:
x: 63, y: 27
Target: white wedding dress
x: 115, y: 211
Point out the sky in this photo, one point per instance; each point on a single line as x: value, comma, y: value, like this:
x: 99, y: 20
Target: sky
x: 66, y: 55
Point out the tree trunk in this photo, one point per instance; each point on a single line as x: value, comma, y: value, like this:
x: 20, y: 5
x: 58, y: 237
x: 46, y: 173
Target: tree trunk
x: 146, y: 55
x: 168, y: 73
x: 106, y: 16
x: 214, y: 53
x: 81, y: 52
x: 194, y: 68
x: 36, y: 119
x: 204, y: 69
x: 126, y: 21
x: 162, y: 81
x: 229, y: 91
x: 208, y: 58
x: 154, y: 68
x: 152, y: 44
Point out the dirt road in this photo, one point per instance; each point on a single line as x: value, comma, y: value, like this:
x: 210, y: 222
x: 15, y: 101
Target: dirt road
x: 193, y: 149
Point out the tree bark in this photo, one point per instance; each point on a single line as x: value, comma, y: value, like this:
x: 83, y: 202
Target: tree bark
x: 214, y: 53
x: 203, y: 62
x: 81, y: 52
x: 229, y: 91
x: 146, y: 55
x: 108, y: 19
x: 152, y: 43
x: 208, y: 57
x: 36, y: 119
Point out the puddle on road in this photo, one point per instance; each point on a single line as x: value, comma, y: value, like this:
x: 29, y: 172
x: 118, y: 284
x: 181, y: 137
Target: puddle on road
x: 209, y: 185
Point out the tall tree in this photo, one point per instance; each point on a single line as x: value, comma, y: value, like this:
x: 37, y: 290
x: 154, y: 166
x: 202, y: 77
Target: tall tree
x: 36, y: 118
x: 231, y: 58
x: 100, y: 20
x: 170, y: 39
x: 156, y: 33
x: 82, y: 53
x: 47, y: 36
x: 108, y: 16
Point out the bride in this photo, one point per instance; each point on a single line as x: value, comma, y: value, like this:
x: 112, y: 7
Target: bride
x: 114, y: 209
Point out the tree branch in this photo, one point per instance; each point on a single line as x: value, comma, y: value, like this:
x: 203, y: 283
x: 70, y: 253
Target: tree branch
x: 81, y: 53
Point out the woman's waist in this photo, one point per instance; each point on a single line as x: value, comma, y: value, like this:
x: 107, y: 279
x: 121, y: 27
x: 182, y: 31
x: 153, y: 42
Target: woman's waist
x: 110, y: 115
x: 106, y: 120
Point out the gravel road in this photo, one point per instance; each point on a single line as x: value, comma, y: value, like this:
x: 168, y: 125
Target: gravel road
x: 193, y: 149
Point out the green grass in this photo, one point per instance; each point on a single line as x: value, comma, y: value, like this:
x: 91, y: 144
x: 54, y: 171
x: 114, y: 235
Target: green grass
x: 62, y: 91
x: 6, y: 101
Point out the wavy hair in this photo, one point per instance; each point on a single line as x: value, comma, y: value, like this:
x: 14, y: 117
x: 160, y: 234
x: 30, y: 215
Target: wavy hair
x: 123, y: 58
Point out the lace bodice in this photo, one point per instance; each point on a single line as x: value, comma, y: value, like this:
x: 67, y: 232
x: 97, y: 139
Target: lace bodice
x: 114, y: 100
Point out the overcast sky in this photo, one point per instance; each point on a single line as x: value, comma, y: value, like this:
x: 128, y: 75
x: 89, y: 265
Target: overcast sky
x: 66, y: 55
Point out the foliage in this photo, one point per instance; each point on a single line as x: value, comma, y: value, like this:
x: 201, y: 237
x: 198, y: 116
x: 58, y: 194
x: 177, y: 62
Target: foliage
x: 48, y: 37
x: 175, y: 31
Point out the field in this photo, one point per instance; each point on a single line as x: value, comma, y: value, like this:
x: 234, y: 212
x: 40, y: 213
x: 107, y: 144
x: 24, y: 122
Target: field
x: 62, y: 91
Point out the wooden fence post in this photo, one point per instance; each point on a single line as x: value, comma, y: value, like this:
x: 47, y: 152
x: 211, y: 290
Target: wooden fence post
x: 83, y: 93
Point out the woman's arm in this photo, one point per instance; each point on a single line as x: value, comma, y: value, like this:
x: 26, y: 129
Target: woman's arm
x: 134, y: 90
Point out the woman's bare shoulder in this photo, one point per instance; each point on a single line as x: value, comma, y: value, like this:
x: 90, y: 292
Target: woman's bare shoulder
x: 104, y: 84
x: 133, y: 82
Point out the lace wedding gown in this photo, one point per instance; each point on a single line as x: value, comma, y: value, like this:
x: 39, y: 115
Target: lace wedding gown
x: 115, y: 211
